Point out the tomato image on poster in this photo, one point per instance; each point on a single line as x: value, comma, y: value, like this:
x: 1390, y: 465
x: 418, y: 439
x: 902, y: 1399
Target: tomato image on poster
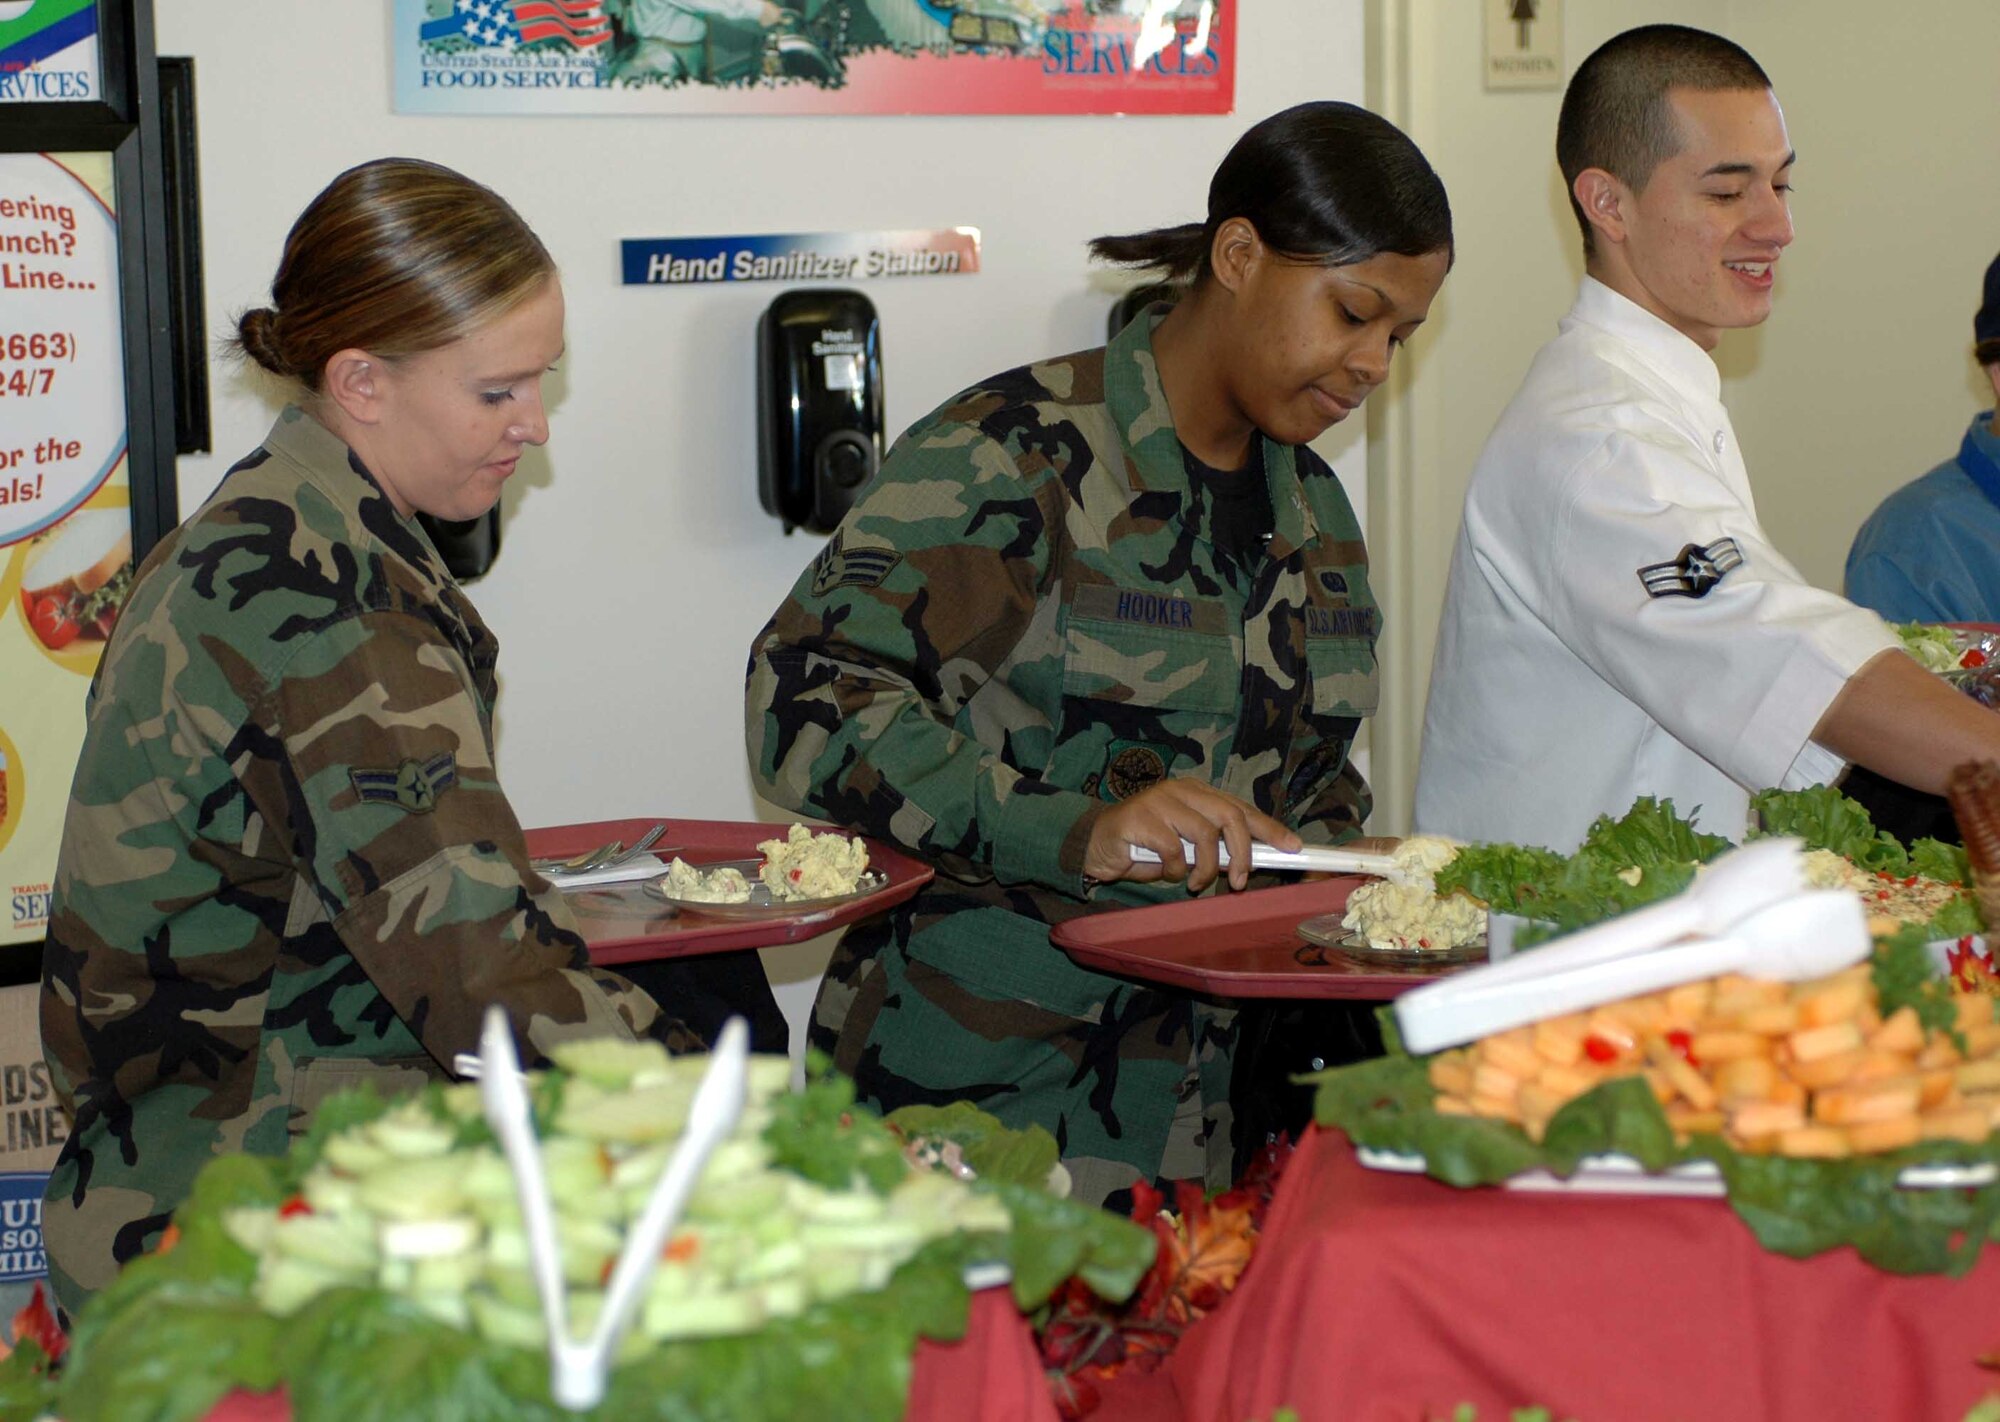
x: 65, y: 504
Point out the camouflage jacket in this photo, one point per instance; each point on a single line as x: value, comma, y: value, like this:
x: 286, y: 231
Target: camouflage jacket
x: 287, y: 865
x: 1022, y: 621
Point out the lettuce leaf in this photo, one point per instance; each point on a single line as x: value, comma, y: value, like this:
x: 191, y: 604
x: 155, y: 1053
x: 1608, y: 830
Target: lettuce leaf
x: 1934, y: 647
x: 1570, y: 892
x: 1934, y: 859
x: 1648, y: 835
x: 26, y: 1389
x: 994, y: 1151
x: 1826, y: 819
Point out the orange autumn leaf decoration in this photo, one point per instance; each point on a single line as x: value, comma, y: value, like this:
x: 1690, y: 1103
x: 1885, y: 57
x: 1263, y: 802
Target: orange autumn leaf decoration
x: 1202, y: 1249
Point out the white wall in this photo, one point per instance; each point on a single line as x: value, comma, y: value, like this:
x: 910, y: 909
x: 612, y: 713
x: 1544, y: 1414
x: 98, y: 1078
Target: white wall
x: 1861, y: 380
x: 636, y: 564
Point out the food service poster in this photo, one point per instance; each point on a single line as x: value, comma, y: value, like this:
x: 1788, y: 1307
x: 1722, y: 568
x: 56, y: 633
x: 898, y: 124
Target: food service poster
x: 65, y: 504
x: 815, y: 56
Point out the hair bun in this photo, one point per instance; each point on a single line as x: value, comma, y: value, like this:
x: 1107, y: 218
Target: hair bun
x: 257, y: 333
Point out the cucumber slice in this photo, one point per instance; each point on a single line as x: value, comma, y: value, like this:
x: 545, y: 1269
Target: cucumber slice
x: 342, y: 1243
x: 448, y: 1307
x: 286, y: 1284
x: 428, y: 1239
x: 428, y: 1189
x: 412, y: 1132
x: 653, y: 1113
x: 509, y: 1322
x: 355, y: 1153
x: 706, y: 1315
x: 609, y: 1062
x: 251, y: 1226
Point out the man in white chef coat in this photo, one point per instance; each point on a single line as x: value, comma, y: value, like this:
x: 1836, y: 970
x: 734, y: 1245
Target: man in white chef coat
x: 1616, y: 622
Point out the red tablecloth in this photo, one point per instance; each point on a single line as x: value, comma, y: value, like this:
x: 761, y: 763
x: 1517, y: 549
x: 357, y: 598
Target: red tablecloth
x: 1392, y: 1298
x: 991, y: 1375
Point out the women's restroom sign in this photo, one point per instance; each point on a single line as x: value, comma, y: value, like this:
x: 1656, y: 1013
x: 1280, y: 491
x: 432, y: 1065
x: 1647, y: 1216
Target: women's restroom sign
x: 62, y: 367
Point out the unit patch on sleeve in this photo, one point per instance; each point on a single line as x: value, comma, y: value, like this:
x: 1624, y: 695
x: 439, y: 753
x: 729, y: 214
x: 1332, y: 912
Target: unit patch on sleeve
x: 1694, y: 572
x: 413, y: 786
x: 861, y: 566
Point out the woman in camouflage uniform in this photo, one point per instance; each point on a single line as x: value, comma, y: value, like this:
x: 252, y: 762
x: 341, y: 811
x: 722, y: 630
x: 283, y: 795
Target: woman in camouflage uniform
x: 288, y: 866
x: 1106, y: 600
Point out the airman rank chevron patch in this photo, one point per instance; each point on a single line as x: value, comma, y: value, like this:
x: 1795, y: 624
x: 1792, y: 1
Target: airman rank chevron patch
x: 1694, y: 572
x: 860, y: 566
x: 413, y: 786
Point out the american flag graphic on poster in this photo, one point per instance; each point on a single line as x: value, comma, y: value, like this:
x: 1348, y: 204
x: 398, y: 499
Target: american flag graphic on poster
x: 509, y: 24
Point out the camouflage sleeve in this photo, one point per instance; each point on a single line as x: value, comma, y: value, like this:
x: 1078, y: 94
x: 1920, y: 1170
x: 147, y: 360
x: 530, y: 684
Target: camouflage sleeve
x: 1336, y: 813
x: 400, y: 823
x: 872, y: 699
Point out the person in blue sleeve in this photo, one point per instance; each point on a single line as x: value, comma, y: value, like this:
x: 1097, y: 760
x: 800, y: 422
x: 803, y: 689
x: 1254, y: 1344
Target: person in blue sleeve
x: 1931, y: 552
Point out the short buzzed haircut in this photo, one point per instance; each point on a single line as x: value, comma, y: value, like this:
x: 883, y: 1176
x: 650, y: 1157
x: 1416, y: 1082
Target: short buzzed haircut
x: 1615, y: 113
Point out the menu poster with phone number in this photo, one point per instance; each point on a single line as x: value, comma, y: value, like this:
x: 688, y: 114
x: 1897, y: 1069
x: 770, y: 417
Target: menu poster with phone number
x: 65, y: 503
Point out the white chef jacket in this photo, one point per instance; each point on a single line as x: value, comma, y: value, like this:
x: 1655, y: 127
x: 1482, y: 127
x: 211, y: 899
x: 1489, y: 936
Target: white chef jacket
x: 1562, y: 688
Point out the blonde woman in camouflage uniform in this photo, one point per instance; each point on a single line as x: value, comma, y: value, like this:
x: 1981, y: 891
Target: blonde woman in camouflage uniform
x: 288, y: 866
x: 1106, y: 600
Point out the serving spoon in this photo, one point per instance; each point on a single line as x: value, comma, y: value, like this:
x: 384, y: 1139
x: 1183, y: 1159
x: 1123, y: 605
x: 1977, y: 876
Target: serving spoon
x: 1808, y: 935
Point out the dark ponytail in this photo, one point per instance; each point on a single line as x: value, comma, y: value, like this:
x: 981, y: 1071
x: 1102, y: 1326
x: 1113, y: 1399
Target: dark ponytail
x: 1322, y: 182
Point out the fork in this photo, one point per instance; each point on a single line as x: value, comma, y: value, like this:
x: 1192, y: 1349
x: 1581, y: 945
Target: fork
x: 590, y: 859
x: 639, y: 846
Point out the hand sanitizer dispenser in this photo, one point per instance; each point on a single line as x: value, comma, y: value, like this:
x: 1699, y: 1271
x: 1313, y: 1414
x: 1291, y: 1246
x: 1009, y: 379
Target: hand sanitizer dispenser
x: 819, y: 405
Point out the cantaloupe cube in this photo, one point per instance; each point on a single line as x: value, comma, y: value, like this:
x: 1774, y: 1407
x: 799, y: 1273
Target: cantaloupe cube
x: 1748, y: 1078
x: 1690, y: 1001
x: 1711, y: 1048
x: 1811, y: 1044
x: 1500, y: 1108
x: 1786, y: 1089
x: 1832, y: 1000
x: 1901, y: 1032
x: 1815, y: 1143
x: 1568, y: 1082
x: 1560, y: 1040
x: 1537, y: 1102
x: 1825, y: 1071
x: 1981, y: 1075
x: 1869, y: 1137
x: 1691, y: 1084
x: 1764, y: 1118
x: 1974, y: 1009
x: 1736, y: 995
x: 1514, y: 1055
x: 1495, y: 1081
x: 1775, y: 1019
x: 1982, y: 1040
x: 1451, y: 1075
x: 1936, y: 1086
x: 1689, y: 1121
x: 1868, y: 1101
x: 1963, y: 1123
x: 1875, y: 1065
x: 1940, y: 1051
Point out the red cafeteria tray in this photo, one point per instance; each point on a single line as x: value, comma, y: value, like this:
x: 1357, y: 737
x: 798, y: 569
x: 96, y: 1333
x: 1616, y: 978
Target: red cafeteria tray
x: 1235, y: 945
x: 623, y: 923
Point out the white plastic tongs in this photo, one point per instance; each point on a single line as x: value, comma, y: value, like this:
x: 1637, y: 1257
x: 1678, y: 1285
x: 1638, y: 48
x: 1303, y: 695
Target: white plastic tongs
x: 578, y: 1371
x: 1317, y: 858
x: 1750, y: 912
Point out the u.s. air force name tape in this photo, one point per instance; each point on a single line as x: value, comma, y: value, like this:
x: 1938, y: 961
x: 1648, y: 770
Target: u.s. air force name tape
x: 800, y: 256
x: 1694, y: 572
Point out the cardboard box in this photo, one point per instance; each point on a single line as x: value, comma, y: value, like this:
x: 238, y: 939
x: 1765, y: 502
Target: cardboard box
x: 33, y: 1127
